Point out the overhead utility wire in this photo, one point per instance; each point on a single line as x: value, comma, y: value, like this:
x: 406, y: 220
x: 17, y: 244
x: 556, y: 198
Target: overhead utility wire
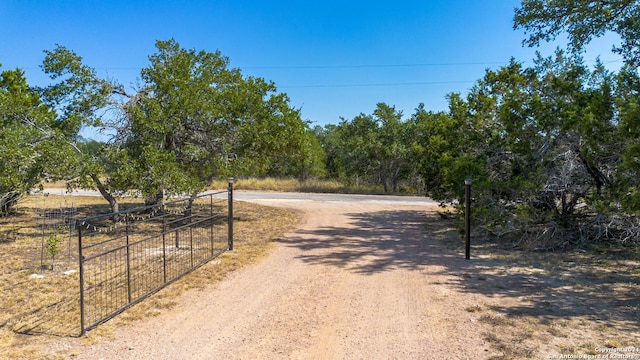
x: 294, y: 67
x: 368, y: 66
x: 376, y: 84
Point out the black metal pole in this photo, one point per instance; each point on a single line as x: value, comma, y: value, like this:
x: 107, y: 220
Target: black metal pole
x: 467, y: 218
x: 164, y: 245
x: 190, y: 212
x: 212, y: 224
x: 230, y: 209
x: 126, y: 222
x: 81, y: 265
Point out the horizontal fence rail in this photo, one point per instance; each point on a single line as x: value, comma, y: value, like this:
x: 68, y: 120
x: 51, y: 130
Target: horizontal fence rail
x: 127, y: 256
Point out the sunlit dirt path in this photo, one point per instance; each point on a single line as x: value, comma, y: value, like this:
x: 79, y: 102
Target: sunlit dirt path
x: 355, y: 281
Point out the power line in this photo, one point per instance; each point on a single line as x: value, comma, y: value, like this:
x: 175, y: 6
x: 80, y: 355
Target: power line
x: 303, y: 67
x: 377, y: 84
x: 364, y: 66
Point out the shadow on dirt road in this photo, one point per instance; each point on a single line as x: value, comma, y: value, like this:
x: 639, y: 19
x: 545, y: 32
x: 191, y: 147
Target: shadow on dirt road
x: 547, y: 287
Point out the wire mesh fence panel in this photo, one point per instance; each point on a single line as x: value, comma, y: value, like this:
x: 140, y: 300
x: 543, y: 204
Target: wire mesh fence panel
x: 56, y: 245
x: 39, y: 257
x: 127, y: 256
x: 105, y: 284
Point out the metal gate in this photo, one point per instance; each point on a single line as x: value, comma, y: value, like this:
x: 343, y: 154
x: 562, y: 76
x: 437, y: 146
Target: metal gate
x: 129, y: 255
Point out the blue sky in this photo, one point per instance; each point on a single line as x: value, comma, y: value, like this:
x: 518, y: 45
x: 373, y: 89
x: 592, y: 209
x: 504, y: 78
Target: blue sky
x: 333, y: 58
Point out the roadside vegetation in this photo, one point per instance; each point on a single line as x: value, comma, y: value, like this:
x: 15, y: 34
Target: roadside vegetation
x: 551, y: 148
x: 308, y: 185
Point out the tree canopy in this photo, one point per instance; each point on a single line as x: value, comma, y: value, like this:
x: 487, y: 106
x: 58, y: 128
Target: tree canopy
x: 552, y: 148
x: 544, y: 20
x: 32, y: 143
x: 192, y: 119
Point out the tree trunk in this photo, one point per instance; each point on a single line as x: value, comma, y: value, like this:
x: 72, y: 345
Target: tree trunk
x: 155, y: 199
x: 8, y: 200
x: 113, y: 202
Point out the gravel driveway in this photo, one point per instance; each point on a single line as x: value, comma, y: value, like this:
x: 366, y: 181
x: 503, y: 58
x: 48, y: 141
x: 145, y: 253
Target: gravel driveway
x: 361, y: 278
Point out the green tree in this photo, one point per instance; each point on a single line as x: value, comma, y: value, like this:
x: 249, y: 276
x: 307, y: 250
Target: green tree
x: 547, y: 148
x: 355, y: 144
x: 444, y: 148
x: 329, y: 139
x: 609, y: 157
x: 81, y: 99
x: 31, y: 141
x: 179, y: 121
x: 195, y: 114
x: 627, y: 99
x: 305, y: 160
x: 369, y: 149
x: 544, y: 20
x: 192, y: 119
x: 394, y: 146
x: 78, y: 93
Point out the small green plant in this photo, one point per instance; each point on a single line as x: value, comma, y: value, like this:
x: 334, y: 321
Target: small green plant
x: 52, y: 244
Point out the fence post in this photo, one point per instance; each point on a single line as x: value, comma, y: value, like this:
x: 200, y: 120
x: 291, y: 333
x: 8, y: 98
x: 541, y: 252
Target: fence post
x: 467, y: 218
x: 164, y: 244
x: 212, y: 224
x: 126, y: 222
x: 190, y: 214
x: 81, y: 270
x: 230, y: 215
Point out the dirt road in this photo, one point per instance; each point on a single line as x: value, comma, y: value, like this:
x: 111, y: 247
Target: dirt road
x: 355, y: 281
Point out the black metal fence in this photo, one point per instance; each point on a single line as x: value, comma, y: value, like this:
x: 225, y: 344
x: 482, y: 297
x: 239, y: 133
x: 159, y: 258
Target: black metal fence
x: 127, y: 256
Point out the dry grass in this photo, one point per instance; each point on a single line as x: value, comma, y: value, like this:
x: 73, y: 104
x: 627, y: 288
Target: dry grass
x: 293, y: 185
x: 566, y: 303
x: 266, y: 184
x: 40, y: 303
x: 289, y: 185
